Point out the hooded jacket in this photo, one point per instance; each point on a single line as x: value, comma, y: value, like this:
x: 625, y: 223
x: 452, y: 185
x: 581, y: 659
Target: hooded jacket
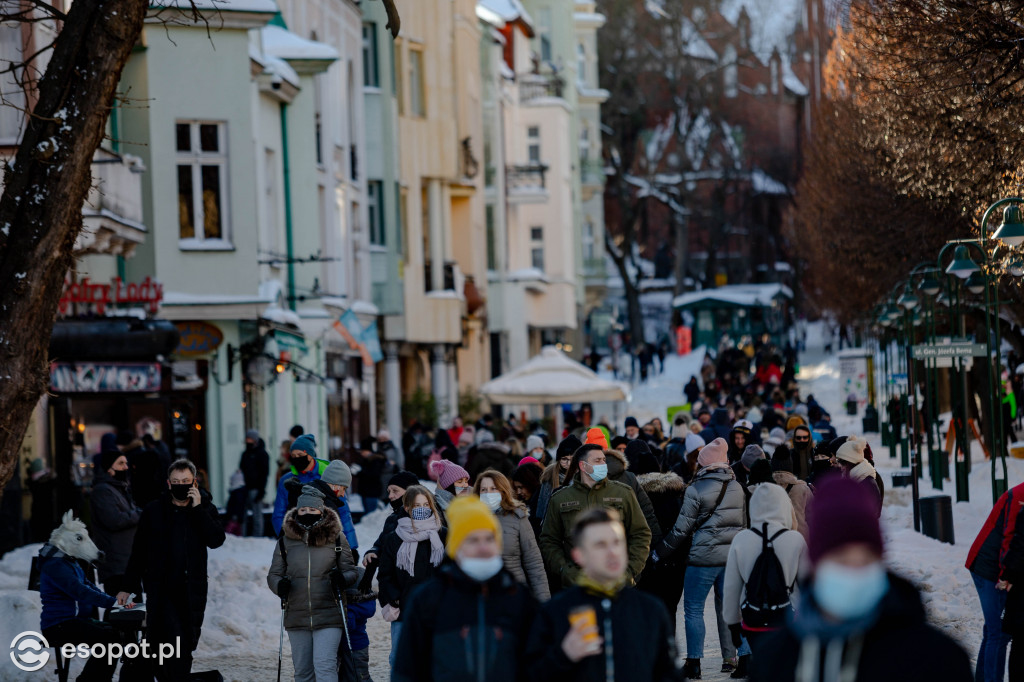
x: 898, y: 627
x: 710, y: 546
x: 768, y: 505
x: 568, y: 502
x: 114, y: 520
x: 308, y: 559
x: 550, y: 481
x: 799, y: 495
x: 458, y: 629
x: 520, y: 552
x: 618, y: 470
x: 288, y: 493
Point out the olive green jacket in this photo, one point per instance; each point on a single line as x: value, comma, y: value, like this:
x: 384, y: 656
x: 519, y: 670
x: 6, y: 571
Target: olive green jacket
x: 568, y: 502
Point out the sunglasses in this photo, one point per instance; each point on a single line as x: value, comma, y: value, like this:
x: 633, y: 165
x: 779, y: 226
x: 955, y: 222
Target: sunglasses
x: 801, y: 440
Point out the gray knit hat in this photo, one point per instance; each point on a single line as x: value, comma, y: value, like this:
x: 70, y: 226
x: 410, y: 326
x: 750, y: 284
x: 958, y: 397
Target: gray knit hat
x: 337, y: 473
x: 533, y: 442
x: 310, y: 497
x: 751, y: 454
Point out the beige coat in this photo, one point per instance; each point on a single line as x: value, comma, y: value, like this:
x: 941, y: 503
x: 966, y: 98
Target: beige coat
x: 800, y: 495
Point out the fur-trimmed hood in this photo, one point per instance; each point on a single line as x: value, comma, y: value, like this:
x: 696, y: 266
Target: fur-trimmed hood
x: 655, y: 483
x: 617, y: 462
x: 323, y: 533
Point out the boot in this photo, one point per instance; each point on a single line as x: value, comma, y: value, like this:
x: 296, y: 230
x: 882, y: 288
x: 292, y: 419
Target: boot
x: 691, y: 669
x: 728, y: 665
x: 742, y: 668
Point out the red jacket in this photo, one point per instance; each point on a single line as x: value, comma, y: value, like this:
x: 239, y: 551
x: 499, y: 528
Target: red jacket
x: 986, y: 556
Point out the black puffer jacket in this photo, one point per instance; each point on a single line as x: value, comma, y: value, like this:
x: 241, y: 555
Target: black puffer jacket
x: 899, y: 628
x: 394, y: 583
x: 618, y: 470
x: 255, y: 467
x: 169, y: 561
x: 308, y: 558
x: 460, y: 630
x: 636, y: 633
x: 114, y: 520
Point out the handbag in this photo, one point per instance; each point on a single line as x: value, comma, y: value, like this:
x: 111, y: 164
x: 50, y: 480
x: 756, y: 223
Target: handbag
x: 683, y: 551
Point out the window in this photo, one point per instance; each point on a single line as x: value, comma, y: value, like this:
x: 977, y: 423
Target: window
x: 533, y: 148
x: 375, y: 211
x: 202, y: 184
x: 584, y: 145
x: 588, y: 240
x: 581, y: 63
x: 417, y: 107
x: 371, y: 65
x: 492, y: 255
x: 543, y: 30
x: 537, y: 248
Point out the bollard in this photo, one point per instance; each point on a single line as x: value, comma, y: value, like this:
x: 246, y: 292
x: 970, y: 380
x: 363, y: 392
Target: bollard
x: 901, y: 479
x: 937, y: 518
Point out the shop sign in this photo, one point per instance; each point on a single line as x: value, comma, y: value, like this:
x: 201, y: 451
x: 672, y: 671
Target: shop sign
x: 105, y: 377
x: 118, y: 292
x: 197, y: 338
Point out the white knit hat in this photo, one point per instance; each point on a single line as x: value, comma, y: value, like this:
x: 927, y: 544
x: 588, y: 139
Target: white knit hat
x: 694, y: 442
x: 852, y: 450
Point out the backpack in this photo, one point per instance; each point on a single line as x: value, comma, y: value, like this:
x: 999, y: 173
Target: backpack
x: 767, y: 600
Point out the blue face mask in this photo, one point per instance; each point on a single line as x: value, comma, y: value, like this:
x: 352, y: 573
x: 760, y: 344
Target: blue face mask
x: 849, y: 593
x: 421, y: 513
x: 598, y: 472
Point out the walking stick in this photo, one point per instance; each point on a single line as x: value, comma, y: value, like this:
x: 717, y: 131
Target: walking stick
x: 280, y: 641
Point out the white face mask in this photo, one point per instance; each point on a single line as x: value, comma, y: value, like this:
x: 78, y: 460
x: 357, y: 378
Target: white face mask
x: 481, y: 570
x: 849, y: 593
x: 492, y: 500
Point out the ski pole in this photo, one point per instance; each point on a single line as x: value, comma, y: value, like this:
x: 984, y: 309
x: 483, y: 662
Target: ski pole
x: 280, y: 641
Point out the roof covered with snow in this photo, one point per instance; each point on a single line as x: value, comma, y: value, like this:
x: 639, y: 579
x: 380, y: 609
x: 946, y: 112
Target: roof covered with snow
x: 766, y: 184
x: 508, y: 11
x: 739, y: 295
x: 772, y: 22
x: 282, y: 43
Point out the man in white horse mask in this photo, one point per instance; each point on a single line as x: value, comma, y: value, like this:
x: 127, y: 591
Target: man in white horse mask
x: 68, y: 598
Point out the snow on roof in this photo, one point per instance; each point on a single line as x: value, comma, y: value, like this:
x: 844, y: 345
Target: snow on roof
x: 551, y: 378
x: 507, y: 10
x: 274, y: 65
x: 772, y: 23
x: 791, y: 82
x: 696, y: 46
x: 766, y: 184
x: 746, y: 295
x: 273, y: 313
x: 282, y: 43
x: 262, y: 6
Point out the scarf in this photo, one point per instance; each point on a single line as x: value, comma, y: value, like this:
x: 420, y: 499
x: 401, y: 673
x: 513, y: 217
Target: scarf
x: 411, y: 537
x: 594, y: 587
x: 862, y: 470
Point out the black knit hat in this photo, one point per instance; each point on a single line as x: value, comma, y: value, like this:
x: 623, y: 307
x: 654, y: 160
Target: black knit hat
x: 108, y: 457
x: 836, y: 443
x: 568, y: 446
x: 761, y: 472
x: 404, y: 480
x: 782, y: 460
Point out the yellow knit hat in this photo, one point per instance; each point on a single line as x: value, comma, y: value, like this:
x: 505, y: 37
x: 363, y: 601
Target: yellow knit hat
x: 465, y: 515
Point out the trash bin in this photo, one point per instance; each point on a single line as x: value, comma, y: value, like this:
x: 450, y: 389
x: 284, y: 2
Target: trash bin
x: 937, y: 518
x: 901, y: 479
x: 869, y: 423
x: 851, y: 408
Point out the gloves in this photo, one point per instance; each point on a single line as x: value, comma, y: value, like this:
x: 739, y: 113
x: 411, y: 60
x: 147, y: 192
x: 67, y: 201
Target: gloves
x: 284, y: 586
x: 337, y: 580
x: 737, y: 634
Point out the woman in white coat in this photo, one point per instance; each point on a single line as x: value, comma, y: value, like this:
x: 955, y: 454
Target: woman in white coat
x: 771, y: 517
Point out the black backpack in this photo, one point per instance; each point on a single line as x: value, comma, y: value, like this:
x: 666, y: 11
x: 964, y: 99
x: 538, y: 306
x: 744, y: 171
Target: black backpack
x: 767, y: 600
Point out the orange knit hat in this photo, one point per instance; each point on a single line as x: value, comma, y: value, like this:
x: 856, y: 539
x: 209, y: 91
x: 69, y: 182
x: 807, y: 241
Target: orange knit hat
x: 595, y: 436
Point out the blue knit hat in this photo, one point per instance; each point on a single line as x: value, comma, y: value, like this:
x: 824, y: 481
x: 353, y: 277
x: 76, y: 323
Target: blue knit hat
x: 306, y: 443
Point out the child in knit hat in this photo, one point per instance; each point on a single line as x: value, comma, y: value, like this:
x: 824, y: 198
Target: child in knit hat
x: 452, y: 481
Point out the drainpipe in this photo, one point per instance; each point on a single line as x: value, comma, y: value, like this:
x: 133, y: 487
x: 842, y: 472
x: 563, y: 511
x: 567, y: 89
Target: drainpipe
x: 288, y: 207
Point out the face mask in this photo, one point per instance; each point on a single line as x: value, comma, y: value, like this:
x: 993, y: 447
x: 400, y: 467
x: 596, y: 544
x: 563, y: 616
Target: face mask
x: 308, y: 520
x: 460, y: 490
x: 396, y: 504
x: 849, y: 593
x: 599, y: 473
x: 300, y: 463
x: 481, y: 570
x: 421, y: 513
x: 492, y: 500
x: 179, y: 491
x: 121, y: 475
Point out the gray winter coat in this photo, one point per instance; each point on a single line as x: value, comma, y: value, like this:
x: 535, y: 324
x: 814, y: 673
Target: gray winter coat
x: 114, y: 520
x: 521, y: 553
x: 310, y: 557
x: 711, y: 541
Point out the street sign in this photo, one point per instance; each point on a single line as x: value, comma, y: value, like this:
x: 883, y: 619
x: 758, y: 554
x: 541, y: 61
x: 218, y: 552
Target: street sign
x: 950, y: 350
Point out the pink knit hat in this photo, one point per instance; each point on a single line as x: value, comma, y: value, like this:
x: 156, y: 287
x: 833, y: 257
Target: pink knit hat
x: 715, y: 452
x: 529, y: 460
x: 447, y: 472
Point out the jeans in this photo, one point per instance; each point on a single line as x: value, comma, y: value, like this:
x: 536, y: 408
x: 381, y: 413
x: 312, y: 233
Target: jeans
x: 698, y: 582
x: 254, y: 506
x: 396, y: 630
x: 992, y: 655
x: 370, y: 503
x: 315, y: 654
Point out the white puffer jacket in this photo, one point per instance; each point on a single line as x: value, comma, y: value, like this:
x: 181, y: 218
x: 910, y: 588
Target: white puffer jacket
x: 769, y: 504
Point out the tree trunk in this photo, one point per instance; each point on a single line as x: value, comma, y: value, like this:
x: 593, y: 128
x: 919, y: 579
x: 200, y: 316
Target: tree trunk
x: 41, y: 205
x: 620, y: 256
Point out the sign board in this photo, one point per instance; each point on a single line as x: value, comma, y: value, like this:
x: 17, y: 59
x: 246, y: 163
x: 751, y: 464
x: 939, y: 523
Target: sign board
x: 105, y: 377
x: 197, y: 338
x: 950, y: 350
x: 684, y: 340
x: 853, y: 378
x: 118, y: 292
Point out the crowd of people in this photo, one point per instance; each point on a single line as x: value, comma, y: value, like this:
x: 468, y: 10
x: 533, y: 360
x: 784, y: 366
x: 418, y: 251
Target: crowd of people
x: 507, y: 557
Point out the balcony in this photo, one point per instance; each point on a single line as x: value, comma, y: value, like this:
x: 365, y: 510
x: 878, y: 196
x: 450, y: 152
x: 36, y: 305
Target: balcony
x: 112, y: 214
x: 534, y: 87
x: 526, y: 184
